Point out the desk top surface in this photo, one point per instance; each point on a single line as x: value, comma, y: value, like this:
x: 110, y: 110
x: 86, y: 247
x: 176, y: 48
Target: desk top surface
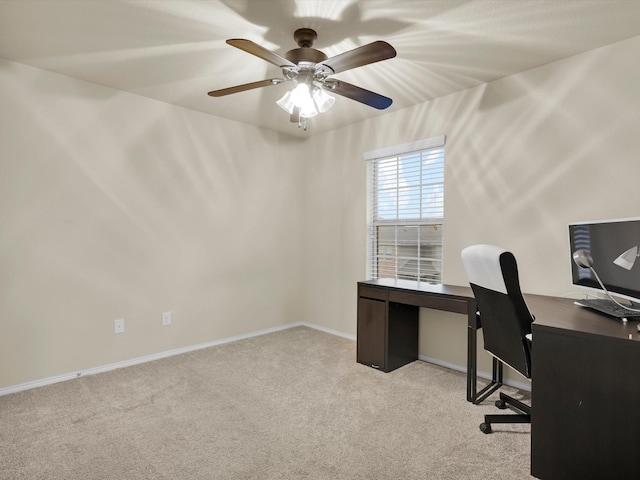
x: 554, y: 313
x: 422, y: 287
x: 551, y: 313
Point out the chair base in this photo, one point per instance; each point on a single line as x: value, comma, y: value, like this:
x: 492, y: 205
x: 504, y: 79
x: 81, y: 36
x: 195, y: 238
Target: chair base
x: 495, y: 384
x: 522, y: 415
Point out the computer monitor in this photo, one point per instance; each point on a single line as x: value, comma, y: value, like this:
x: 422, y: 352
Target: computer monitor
x: 614, y: 246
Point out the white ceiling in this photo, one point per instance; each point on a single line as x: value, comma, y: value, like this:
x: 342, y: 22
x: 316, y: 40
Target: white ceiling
x: 175, y: 51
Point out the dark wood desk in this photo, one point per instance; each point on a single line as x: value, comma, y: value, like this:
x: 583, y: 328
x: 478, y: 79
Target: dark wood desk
x: 585, y: 422
x: 388, y: 312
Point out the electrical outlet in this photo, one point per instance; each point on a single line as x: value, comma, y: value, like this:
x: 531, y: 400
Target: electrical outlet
x: 118, y: 326
x: 166, y: 318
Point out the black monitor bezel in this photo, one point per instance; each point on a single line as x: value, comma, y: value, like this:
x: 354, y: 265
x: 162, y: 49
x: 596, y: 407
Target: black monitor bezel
x: 603, y: 266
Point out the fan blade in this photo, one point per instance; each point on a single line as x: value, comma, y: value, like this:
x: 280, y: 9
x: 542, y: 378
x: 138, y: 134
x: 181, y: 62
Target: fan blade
x: 361, y: 95
x: 371, y: 53
x: 247, y: 86
x: 260, y: 52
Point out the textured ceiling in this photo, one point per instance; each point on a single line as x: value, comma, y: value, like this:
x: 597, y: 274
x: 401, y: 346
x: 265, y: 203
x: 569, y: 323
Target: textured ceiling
x: 175, y: 51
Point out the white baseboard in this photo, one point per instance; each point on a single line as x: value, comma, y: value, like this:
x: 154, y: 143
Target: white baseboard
x: 481, y: 374
x: 329, y: 330
x: 148, y: 358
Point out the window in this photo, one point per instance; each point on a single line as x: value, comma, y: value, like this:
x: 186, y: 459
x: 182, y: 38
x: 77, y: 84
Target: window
x: 406, y: 211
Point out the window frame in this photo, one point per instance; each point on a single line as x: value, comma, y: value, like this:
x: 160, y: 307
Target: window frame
x: 421, y: 149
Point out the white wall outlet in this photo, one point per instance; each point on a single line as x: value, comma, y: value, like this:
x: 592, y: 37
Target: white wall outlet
x: 166, y: 318
x: 118, y: 326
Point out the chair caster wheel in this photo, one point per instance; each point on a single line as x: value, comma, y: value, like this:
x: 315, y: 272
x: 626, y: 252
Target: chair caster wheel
x: 485, y: 428
x: 501, y: 404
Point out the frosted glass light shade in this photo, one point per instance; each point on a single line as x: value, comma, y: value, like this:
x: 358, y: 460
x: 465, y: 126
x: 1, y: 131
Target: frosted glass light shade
x: 308, y: 110
x: 301, y: 97
x: 300, y: 94
x: 323, y: 100
x: 286, y: 103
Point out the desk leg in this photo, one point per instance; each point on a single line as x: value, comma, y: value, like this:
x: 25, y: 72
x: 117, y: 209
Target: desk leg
x: 472, y: 368
x: 472, y: 352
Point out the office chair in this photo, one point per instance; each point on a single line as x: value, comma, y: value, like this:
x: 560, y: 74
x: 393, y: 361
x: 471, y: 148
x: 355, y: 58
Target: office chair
x: 505, y: 319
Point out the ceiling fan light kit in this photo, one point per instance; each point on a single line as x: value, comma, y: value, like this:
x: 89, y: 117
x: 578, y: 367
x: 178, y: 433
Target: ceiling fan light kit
x: 310, y: 69
x: 301, y: 98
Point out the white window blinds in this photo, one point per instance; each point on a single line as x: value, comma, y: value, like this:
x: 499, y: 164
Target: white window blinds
x: 406, y: 211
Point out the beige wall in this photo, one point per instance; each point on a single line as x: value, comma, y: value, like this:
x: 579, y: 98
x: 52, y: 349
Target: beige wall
x: 525, y: 156
x: 116, y: 206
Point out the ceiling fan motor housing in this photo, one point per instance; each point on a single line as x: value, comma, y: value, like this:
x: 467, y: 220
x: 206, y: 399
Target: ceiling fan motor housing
x: 305, y: 54
x: 305, y: 37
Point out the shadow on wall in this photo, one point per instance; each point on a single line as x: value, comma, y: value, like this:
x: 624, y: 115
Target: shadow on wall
x: 501, y: 92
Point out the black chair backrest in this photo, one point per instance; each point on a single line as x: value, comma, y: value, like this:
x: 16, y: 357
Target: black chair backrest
x: 493, y: 275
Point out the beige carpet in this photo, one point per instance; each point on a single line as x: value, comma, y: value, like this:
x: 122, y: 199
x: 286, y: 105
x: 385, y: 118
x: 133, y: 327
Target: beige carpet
x: 288, y: 405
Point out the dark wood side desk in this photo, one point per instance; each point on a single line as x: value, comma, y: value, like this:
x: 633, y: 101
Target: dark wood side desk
x: 388, y: 312
x: 585, y: 422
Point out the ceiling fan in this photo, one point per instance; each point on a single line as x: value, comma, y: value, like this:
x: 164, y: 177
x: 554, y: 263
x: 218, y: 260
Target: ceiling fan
x: 311, y: 69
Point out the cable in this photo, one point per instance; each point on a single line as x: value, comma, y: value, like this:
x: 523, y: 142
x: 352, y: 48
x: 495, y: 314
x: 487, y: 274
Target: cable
x: 609, y: 295
x: 584, y: 260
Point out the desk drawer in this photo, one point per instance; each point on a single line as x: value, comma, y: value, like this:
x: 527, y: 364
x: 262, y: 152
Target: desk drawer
x: 372, y: 292
x: 429, y: 301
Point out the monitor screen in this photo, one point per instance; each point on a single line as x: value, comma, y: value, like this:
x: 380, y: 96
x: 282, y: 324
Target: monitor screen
x: 614, y: 246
